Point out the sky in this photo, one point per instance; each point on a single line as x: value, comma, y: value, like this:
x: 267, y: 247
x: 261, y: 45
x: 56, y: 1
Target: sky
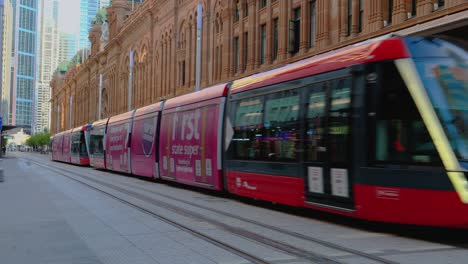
x: 69, y: 16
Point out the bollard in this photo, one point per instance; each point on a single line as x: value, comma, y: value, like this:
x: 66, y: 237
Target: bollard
x: 2, y: 178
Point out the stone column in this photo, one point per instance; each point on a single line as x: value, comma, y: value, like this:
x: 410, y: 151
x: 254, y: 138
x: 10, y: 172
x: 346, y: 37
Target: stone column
x: 355, y: 18
x: 424, y: 7
x: 450, y: 3
x: 343, y: 19
x: 269, y: 36
x: 241, y: 66
x: 283, y: 28
x: 193, y: 52
x: 226, y: 54
x: 399, y: 11
x: 375, y: 16
x: 205, y: 48
x: 188, y: 49
x: 305, y: 29
x: 323, y: 26
x: 252, y: 54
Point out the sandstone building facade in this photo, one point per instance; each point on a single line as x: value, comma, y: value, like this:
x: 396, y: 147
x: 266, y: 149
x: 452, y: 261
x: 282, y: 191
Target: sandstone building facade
x: 239, y: 38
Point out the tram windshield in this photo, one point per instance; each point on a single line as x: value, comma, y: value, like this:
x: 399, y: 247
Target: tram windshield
x: 96, y: 146
x: 78, y: 144
x: 443, y: 67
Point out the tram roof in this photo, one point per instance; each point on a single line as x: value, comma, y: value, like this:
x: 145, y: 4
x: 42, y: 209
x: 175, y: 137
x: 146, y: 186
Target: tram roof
x: 82, y: 128
x: 368, y: 51
x: 100, y: 122
x: 149, y: 109
x: 212, y: 92
x: 121, y: 117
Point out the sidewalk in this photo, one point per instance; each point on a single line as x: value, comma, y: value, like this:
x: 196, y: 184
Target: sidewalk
x: 32, y: 229
x: 48, y: 219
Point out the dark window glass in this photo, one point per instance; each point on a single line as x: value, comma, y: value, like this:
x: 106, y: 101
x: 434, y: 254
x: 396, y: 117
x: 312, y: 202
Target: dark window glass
x: 246, y: 50
x: 275, y: 39
x: 236, y: 12
x: 281, y: 126
x: 263, y: 43
x: 295, y: 31
x: 183, y: 72
x: 267, y: 128
x: 75, y: 144
x: 350, y: 17
x: 263, y: 3
x: 390, y: 11
x: 78, y: 144
x: 339, y: 120
x: 248, y: 128
x: 83, y: 150
x: 313, y: 22
x: 96, y: 146
x: 361, y: 15
x: 315, y: 123
x: 401, y: 136
x: 236, y: 54
x: 246, y: 8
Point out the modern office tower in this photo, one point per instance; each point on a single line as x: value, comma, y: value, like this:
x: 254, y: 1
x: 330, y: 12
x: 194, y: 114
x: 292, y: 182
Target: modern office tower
x: 49, y: 59
x: 88, y: 10
x: 103, y: 3
x: 24, y: 68
x: 6, y: 27
x: 67, y: 46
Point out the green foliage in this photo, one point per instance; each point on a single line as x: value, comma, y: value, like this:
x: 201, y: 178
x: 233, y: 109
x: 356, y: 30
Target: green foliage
x: 39, y: 140
x: 100, y: 16
x: 63, y: 67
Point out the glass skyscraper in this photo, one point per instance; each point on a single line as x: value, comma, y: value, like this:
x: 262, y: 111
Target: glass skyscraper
x: 88, y: 10
x: 24, y: 66
x: 6, y: 20
x: 48, y: 55
x: 67, y: 46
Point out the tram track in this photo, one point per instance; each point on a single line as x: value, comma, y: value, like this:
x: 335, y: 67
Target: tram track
x: 240, y: 232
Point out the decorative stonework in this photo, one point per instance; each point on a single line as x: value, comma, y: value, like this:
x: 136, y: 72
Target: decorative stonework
x: 162, y: 35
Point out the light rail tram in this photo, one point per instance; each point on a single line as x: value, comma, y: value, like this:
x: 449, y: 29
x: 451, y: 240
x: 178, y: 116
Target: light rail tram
x: 376, y: 131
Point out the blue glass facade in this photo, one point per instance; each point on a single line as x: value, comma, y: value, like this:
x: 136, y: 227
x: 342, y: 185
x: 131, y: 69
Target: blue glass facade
x: 88, y: 10
x: 24, y: 71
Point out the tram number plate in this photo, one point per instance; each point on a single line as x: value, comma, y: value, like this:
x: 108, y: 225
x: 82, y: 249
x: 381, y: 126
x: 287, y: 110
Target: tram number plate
x: 339, y: 182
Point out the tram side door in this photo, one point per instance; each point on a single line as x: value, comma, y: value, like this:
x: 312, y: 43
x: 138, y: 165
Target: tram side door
x: 327, y: 159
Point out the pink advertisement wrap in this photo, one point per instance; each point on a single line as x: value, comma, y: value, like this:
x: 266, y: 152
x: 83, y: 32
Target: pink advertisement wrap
x: 189, y: 146
x: 57, y: 147
x: 117, y: 151
x: 144, y: 146
x: 66, y: 146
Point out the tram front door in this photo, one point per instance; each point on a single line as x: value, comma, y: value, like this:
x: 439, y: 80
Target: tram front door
x: 327, y: 144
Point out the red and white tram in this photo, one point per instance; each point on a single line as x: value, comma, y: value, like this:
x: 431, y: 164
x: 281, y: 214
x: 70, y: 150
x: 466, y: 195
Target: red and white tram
x: 376, y: 131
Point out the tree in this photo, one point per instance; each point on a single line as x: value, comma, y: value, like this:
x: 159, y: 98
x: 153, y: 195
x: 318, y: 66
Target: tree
x: 39, y: 140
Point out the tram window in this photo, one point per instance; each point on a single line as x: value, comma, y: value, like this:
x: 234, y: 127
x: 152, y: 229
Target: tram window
x: 315, y: 123
x: 339, y: 120
x: 75, y: 145
x: 281, y: 126
x: 82, y: 143
x: 248, y: 128
x: 267, y: 128
x: 96, y: 144
x: 401, y: 136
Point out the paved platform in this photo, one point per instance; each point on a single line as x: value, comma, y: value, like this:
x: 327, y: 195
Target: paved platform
x: 33, y: 228
x: 48, y: 218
